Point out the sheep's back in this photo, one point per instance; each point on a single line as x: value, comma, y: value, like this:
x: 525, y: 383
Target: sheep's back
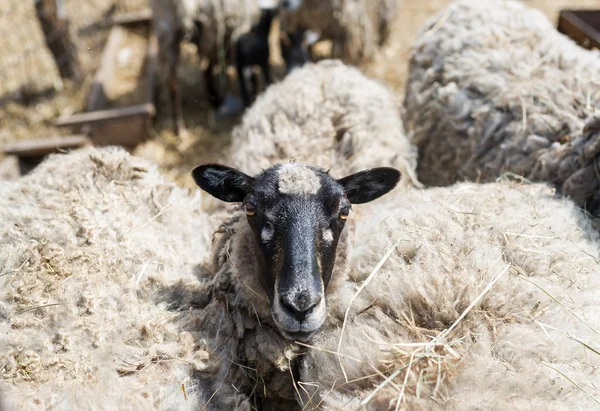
x: 494, y: 88
x: 328, y: 115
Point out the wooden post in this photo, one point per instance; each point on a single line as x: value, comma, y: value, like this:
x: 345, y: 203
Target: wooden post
x: 55, y: 27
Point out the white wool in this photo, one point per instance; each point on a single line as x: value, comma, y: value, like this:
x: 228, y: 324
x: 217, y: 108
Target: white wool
x: 327, y: 115
x: 328, y: 236
x: 297, y: 179
x: 454, y: 241
x: 97, y: 253
x: 119, y: 252
x: 494, y: 88
x: 357, y: 28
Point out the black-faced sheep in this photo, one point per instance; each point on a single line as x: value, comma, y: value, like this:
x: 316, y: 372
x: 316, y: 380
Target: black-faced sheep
x: 494, y: 88
x: 328, y: 115
x: 450, y: 298
x: 357, y: 28
x: 252, y: 49
x: 296, y: 215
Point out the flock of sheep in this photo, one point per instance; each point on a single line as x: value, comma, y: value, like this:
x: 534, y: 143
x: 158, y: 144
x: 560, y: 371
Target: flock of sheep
x: 236, y: 32
x: 119, y: 290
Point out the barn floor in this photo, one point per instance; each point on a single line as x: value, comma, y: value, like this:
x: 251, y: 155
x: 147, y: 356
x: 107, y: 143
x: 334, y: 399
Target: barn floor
x: 207, y: 137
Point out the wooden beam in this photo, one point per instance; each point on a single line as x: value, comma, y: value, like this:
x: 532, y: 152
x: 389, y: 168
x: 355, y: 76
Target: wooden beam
x: 129, y: 18
x: 100, y: 116
x: 44, y: 146
x: 55, y: 27
x: 582, y: 26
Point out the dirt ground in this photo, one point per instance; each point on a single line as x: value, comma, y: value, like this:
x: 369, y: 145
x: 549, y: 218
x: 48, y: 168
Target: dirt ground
x: 207, y: 137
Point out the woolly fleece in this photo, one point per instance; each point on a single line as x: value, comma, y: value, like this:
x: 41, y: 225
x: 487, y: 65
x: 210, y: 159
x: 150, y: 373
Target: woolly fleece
x: 327, y: 115
x: 494, y: 88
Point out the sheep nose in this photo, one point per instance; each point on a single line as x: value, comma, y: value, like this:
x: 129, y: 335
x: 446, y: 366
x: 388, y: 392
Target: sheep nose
x: 300, y: 305
x: 285, y: 4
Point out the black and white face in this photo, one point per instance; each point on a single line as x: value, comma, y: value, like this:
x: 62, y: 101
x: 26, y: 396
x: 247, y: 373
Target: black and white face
x: 297, y: 214
x: 293, y: 50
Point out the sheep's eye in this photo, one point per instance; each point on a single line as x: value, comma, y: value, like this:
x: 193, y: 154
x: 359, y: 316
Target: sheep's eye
x: 250, y: 209
x: 344, y: 214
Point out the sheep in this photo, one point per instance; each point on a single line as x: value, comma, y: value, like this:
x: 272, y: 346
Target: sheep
x: 296, y: 214
x: 252, y: 49
x: 214, y: 26
x: 463, y: 310
x: 494, y: 88
x: 284, y: 250
x: 326, y: 114
x: 294, y: 49
x: 145, y: 315
x: 91, y: 286
x: 357, y: 28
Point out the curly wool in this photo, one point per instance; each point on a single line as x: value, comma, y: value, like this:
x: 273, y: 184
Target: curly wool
x: 116, y: 296
x: 508, y: 351
x: 97, y: 263
x: 494, y: 88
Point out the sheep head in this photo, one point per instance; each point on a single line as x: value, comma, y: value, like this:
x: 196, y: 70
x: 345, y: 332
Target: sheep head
x: 297, y: 214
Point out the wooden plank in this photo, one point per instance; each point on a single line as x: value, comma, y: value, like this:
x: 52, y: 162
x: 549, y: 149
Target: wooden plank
x: 55, y: 26
x: 129, y: 125
x: 151, y: 67
x: 99, y: 116
x: 125, y: 131
x: 576, y: 25
x: 105, y: 74
x: 129, y: 18
x: 44, y: 146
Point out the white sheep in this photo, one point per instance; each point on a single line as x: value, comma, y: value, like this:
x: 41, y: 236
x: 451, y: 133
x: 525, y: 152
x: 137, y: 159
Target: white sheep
x: 90, y: 289
x: 357, y: 28
x: 494, y: 88
x: 328, y: 115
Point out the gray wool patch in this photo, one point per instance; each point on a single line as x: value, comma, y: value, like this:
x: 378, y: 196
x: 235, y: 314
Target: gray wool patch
x: 298, y: 179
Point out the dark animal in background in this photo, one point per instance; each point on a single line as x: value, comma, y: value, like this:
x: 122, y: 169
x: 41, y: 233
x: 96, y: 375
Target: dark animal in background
x: 296, y: 48
x: 210, y: 24
x: 293, y: 51
x: 355, y: 28
x: 252, y: 49
x: 297, y: 214
x: 208, y: 74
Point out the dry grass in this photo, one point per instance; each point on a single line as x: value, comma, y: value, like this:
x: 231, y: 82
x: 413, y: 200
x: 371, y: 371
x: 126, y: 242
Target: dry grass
x: 430, y: 363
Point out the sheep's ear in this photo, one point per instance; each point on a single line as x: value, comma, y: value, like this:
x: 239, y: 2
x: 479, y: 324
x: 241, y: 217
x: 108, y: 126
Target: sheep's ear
x: 222, y: 182
x: 367, y: 185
